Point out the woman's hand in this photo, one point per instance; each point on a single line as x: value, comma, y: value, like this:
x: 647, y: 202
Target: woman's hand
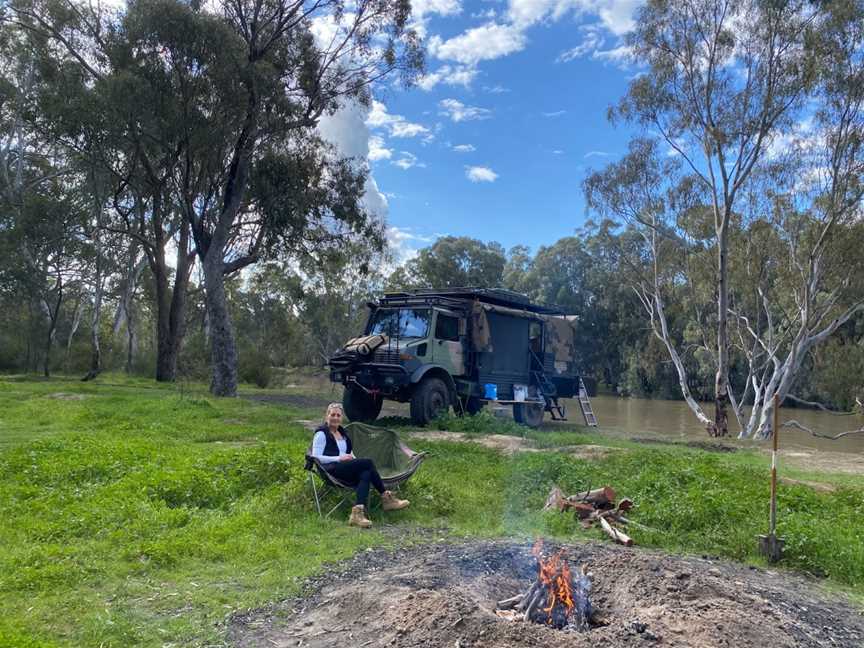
x: 346, y: 457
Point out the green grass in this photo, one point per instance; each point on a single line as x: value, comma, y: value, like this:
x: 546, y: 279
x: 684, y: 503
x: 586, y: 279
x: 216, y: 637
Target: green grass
x: 137, y: 515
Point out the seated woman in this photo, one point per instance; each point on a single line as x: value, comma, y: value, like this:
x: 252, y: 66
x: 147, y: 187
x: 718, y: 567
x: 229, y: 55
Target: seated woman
x: 332, y: 448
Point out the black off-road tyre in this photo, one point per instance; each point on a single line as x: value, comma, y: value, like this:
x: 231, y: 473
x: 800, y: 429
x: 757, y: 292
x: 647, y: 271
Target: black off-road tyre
x: 528, y: 414
x: 431, y: 398
x: 360, y: 406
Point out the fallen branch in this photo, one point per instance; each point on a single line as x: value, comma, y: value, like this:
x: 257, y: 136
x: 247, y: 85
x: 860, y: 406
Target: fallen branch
x: 804, y: 428
x: 818, y: 406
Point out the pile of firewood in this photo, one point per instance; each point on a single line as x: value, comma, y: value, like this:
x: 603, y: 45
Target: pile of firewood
x: 595, y: 507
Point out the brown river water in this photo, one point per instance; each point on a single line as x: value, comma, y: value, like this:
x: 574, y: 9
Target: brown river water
x: 674, y: 420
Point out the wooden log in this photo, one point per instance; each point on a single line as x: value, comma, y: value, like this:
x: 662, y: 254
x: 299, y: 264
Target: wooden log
x: 508, y: 603
x: 539, y: 595
x: 625, y: 504
x: 529, y: 595
x: 582, y: 509
x: 615, y: 534
x: 598, y: 496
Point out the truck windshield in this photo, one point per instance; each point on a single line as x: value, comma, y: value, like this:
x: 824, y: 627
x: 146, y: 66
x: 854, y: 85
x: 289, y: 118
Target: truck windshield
x: 401, y: 323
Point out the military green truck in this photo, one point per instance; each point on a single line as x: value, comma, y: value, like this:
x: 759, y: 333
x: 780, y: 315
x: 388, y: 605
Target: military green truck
x: 461, y: 348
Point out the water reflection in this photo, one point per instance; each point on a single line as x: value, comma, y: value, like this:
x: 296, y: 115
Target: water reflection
x: 674, y: 420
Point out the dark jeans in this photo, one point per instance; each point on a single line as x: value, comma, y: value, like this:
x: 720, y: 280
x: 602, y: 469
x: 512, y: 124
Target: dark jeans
x: 358, y: 473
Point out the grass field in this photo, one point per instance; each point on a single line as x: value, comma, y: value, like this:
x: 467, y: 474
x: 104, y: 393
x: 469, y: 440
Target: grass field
x: 137, y: 514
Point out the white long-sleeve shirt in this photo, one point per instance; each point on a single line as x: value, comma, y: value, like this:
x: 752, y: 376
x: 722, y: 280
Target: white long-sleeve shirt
x: 319, y: 442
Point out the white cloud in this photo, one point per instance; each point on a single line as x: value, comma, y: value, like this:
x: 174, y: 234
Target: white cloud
x: 556, y: 113
x: 397, y: 125
x: 347, y: 130
x: 621, y: 56
x: 407, y: 161
x: 404, y: 244
x: 616, y: 15
x: 558, y: 152
x: 591, y: 154
x: 457, y: 111
x: 460, y: 75
x: 484, y: 43
x: 377, y: 150
x: 420, y: 8
x: 464, y: 148
x: 496, y: 89
x: 480, y: 174
x: 592, y: 41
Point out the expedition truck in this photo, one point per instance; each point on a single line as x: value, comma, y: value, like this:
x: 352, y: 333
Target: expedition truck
x: 461, y: 348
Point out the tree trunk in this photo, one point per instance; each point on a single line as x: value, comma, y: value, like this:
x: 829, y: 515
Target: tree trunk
x: 171, y: 308
x: 721, y: 383
x: 223, y: 350
x: 95, y: 346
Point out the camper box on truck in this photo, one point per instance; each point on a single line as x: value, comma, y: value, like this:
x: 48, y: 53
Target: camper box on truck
x: 460, y: 348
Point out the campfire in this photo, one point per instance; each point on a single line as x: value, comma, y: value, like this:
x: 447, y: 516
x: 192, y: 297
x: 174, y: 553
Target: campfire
x: 555, y: 597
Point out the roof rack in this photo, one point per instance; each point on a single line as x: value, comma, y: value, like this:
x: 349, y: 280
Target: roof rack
x: 455, y: 297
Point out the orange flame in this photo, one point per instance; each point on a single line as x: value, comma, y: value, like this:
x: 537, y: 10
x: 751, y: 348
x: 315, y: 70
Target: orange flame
x: 555, y: 575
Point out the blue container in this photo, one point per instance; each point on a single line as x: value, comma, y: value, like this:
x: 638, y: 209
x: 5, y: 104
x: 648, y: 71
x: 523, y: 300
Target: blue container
x: 490, y: 391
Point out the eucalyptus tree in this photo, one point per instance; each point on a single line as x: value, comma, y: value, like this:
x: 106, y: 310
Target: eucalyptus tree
x: 215, y: 106
x: 724, y: 77
x: 453, y: 261
x: 728, y: 81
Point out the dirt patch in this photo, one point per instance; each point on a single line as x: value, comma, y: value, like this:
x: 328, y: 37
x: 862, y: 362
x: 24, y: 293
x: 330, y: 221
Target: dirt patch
x: 819, y: 487
x: 503, y: 443
x: 444, y: 595
x: 591, y: 452
x: 699, y: 445
x: 822, y: 461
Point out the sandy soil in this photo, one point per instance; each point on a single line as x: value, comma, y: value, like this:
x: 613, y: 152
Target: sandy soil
x: 444, y: 595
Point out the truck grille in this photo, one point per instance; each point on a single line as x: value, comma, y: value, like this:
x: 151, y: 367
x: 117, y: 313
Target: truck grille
x: 385, y: 356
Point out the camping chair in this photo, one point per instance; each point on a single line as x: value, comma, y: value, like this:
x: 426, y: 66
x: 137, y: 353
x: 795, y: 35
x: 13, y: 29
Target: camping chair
x: 395, y: 461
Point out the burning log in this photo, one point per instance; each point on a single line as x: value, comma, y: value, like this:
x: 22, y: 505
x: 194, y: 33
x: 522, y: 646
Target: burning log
x: 554, y: 598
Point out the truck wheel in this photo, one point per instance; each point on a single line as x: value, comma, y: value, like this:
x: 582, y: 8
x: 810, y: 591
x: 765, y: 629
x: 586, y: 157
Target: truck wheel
x: 360, y: 406
x: 529, y: 414
x: 430, y: 399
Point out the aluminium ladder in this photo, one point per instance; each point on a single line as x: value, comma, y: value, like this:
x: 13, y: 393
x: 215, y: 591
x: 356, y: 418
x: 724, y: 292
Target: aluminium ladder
x: 585, y: 404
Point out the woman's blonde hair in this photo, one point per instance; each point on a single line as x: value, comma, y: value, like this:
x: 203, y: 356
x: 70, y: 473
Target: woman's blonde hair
x: 333, y: 406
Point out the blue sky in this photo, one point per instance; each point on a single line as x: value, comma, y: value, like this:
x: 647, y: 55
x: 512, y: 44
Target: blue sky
x: 496, y: 139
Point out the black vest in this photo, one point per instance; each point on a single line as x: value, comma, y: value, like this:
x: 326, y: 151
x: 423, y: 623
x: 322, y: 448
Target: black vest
x: 331, y: 448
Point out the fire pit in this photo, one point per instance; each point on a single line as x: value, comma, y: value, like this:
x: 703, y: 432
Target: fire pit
x: 442, y: 595
x: 555, y: 597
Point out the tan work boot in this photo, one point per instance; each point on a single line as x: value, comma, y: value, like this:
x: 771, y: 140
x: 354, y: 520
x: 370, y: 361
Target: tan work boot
x: 358, y: 517
x: 389, y: 502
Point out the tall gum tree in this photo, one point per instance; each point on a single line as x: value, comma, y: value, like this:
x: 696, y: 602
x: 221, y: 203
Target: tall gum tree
x: 725, y: 78
x: 785, y: 201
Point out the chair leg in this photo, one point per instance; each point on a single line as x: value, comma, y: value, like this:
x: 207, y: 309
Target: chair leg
x: 333, y: 510
x: 315, y: 494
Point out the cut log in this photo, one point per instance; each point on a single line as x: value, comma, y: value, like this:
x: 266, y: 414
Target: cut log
x: 625, y: 505
x: 598, y: 496
x: 615, y: 534
x: 582, y: 509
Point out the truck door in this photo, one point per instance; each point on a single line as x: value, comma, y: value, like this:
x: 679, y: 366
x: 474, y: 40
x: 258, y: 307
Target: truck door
x: 447, y: 348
